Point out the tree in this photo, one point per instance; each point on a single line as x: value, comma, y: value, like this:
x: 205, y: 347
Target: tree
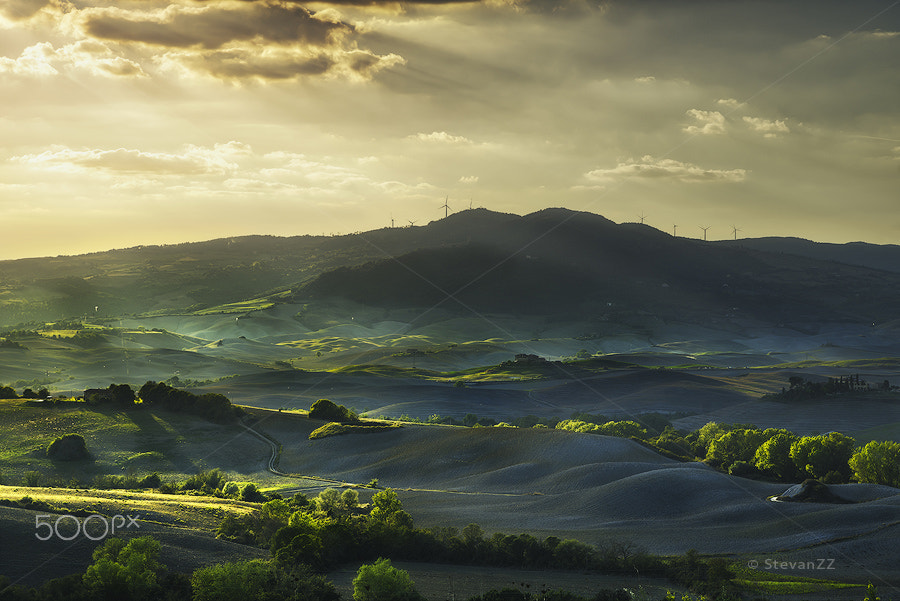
x: 819, y: 455
x: 383, y: 582
x: 329, y: 503
x: 737, y: 445
x: 623, y: 429
x: 774, y: 457
x: 708, y: 433
x: 125, y: 570
x: 877, y: 462
x: 349, y: 500
x: 384, y: 504
x: 122, y: 394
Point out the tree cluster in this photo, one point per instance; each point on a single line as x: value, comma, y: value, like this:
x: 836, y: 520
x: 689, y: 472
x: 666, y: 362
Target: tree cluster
x: 773, y: 453
x: 8, y: 392
x: 212, y: 406
x: 332, y: 529
x: 131, y: 571
x: 330, y: 412
x: 802, y: 389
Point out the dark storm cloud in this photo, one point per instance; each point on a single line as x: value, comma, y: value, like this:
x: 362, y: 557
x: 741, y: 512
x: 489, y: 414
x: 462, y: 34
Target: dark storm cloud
x: 238, y: 64
x: 281, y: 23
x: 370, y: 2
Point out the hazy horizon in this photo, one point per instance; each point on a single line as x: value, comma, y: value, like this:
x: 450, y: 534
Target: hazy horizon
x: 150, y: 122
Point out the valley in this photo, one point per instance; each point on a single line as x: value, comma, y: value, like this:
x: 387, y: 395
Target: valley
x: 615, y: 320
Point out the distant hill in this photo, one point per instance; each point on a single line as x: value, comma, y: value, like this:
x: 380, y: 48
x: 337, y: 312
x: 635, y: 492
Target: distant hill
x: 876, y: 256
x: 551, y: 261
x: 563, y: 263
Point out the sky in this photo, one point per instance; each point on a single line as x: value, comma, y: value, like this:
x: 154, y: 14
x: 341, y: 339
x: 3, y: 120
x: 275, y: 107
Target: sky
x: 164, y: 121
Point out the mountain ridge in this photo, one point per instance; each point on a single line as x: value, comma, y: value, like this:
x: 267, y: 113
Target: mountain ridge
x: 204, y: 275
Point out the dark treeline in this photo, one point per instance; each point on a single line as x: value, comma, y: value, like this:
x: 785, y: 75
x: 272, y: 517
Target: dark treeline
x: 8, y: 392
x: 802, y: 389
x: 211, y: 406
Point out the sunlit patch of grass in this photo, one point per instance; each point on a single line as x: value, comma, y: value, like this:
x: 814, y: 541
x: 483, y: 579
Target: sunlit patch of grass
x: 59, y: 333
x: 257, y: 304
x: 779, y: 587
x: 768, y: 582
x: 337, y: 428
x: 850, y: 364
x: 146, y: 457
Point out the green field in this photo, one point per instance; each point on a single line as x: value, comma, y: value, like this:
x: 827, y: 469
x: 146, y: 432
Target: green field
x: 135, y: 443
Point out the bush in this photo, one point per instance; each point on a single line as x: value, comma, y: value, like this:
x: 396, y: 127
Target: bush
x: 383, y: 582
x: 250, y: 493
x: 70, y: 447
x: 258, y: 580
x: 32, y: 478
x: 507, y: 594
x: 208, y: 482
x: 151, y: 481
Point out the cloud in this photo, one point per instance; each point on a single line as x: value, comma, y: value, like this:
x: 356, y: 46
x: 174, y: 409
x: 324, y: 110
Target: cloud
x: 195, y: 160
x: 34, y: 62
x: 645, y: 79
x: 468, y: 179
x: 709, y: 122
x: 43, y: 59
x: 441, y: 137
x: 649, y: 168
x: 18, y: 10
x: 267, y: 41
x: 730, y: 103
x: 880, y: 35
x: 213, y: 26
x: 770, y: 129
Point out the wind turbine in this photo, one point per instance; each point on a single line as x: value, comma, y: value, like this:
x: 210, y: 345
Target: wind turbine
x: 392, y: 221
x: 674, y: 230
x: 735, y: 230
x: 642, y: 217
x: 411, y: 223
x: 446, y: 207
x: 704, y: 231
